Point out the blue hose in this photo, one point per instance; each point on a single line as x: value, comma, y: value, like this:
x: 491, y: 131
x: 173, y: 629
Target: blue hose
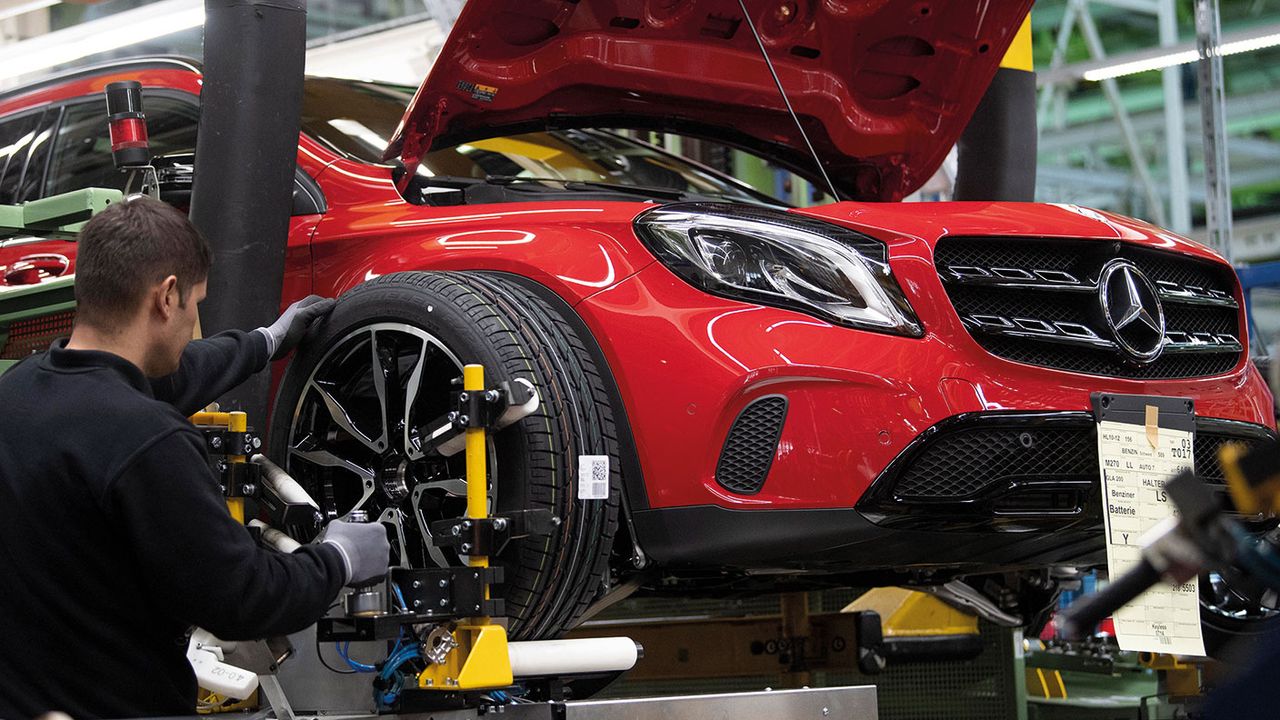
x: 344, y: 649
x: 394, y: 662
x: 390, y: 673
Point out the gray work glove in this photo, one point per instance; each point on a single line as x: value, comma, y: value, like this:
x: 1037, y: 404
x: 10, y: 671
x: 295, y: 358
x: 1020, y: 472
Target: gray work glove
x: 364, y: 549
x: 285, y: 333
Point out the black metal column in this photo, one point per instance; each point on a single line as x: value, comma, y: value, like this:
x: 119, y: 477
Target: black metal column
x: 997, y: 152
x: 246, y: 150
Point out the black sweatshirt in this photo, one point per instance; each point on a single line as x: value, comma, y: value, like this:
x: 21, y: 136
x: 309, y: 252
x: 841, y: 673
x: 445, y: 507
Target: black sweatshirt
x: 114, y: 538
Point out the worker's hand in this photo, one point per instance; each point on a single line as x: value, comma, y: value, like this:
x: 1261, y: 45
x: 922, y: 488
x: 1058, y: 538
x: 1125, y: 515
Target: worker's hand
x: 285, y: 333
x: 364, y: 548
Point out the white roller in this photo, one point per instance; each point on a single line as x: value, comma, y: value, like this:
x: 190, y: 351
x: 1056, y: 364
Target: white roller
x: 537, y: 658
x: 516, y: 413
x: 280, y: 481
x: 275, y: 538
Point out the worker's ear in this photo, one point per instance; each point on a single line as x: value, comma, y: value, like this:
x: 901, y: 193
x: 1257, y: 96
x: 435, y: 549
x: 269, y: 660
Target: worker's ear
x: 167, y: 297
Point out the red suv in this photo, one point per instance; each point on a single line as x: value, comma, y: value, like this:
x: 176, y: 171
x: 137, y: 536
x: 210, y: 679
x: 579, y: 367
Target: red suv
x: 736, y: 395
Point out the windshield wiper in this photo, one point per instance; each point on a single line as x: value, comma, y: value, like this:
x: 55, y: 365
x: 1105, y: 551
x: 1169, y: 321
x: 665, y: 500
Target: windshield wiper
x: 660, y: 193
x: 455, y: 190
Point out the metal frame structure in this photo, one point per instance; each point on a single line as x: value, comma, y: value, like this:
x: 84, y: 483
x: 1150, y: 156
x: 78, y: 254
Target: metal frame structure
x: 1078, y: 15
x: 1169, y: 202
x: 1213, y: 101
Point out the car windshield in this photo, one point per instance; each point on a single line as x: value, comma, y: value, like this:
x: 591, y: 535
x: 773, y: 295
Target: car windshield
x: 357, y: 120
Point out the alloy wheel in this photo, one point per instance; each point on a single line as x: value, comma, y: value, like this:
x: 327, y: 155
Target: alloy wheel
x: 353, y: 441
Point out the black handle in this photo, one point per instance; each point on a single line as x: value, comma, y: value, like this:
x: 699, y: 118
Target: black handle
x: 1081, y: 617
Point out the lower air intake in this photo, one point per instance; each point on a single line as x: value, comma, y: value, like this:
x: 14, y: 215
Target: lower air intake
x: 748, y: 451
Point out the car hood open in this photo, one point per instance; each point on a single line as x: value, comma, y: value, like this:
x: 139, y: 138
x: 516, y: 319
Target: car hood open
x: 882, y: 87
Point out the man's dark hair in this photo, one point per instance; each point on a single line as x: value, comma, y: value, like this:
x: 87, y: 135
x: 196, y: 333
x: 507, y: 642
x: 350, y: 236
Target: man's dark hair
x: 130, y: 247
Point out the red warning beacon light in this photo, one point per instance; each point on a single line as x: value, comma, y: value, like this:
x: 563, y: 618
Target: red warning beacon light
x: 128, y: 125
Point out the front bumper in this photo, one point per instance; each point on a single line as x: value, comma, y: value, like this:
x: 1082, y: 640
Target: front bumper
x: 981, y: 492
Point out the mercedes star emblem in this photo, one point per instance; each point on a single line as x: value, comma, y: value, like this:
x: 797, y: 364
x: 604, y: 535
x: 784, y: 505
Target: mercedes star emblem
x: 1132, y: 309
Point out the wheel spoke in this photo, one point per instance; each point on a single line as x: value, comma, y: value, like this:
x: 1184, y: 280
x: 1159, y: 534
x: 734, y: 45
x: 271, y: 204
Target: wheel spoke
x: 324, y: 458
x: 327, y: 459
x: 456, y: 487
x: 379, y: 371
x: 410, y: 397
x: 424, y: 528
x: 395, y: 518
x: 343, y: 420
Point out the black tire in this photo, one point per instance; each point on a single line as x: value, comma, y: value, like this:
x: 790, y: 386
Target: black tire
x: 477, y: 318
x: 1233, y: 620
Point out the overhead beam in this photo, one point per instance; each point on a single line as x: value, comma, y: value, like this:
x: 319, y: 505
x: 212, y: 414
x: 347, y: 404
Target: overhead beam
x: 1240, y: 108
x: 1150, y: 7
x: 1092, y: 180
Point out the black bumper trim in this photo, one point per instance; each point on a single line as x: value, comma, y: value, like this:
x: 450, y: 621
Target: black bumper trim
x: 1045, y: 504
x: 843, y: 541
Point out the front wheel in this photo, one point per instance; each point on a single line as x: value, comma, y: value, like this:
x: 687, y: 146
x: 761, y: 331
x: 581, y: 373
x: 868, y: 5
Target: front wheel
x: 1236, y: 611
x: 387, y: 361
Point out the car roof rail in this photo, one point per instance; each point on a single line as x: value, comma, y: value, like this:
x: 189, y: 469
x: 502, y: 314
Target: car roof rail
x: 176, y: 62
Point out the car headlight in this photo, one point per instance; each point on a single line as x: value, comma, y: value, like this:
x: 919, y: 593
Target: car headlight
x: 780, y: 259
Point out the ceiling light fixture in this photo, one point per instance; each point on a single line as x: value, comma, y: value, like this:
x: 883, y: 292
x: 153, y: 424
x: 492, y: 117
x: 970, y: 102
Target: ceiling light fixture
x: 22, y: 8
x: 98, y: 36
x: 1183, y: 57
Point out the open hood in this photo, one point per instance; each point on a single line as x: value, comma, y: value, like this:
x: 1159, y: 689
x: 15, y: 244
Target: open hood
x: 882, y: 87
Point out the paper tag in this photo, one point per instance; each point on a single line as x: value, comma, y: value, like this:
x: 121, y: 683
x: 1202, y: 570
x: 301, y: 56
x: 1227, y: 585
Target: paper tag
x: 593, y: 477
x: 1134, y: 469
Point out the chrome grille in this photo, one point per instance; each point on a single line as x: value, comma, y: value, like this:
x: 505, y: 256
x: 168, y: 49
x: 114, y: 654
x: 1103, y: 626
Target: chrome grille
x: 1036, y: 301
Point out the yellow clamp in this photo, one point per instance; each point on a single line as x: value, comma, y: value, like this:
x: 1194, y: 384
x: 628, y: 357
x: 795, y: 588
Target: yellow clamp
x: 481, y: 660
x: 234, y: 422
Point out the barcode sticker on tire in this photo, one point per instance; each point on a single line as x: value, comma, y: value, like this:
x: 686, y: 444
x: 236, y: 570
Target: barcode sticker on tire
x: 593, y: 477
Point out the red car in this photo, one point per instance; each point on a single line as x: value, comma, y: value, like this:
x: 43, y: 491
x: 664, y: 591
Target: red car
x: 736, y: 396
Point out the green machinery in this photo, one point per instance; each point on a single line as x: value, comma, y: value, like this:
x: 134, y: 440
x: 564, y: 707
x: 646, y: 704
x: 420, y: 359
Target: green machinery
x: 59, y: 217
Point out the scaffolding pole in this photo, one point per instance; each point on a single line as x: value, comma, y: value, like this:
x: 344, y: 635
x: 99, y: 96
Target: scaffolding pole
x: 1175, y: 126
x: 1213, y: 103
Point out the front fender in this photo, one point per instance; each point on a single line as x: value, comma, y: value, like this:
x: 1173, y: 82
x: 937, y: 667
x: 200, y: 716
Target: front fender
x: 575, y: 249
